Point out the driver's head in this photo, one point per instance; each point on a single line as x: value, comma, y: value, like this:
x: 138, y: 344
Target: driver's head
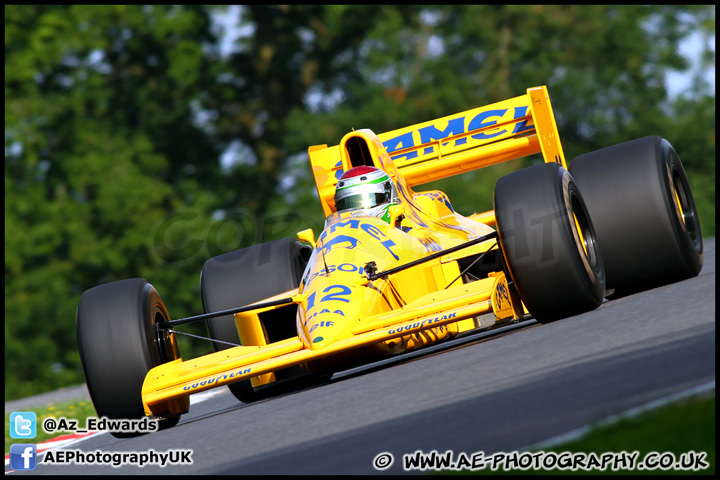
x: 368, y: 189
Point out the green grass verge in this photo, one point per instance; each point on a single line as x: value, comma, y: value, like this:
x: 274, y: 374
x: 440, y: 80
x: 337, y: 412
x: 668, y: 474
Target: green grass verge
x: 667, y: 433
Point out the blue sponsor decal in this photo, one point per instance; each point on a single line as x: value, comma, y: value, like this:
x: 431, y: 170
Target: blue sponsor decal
x: 340, y: 239
x: 321, y: 324
x: 421, y: 323
x: 500, y: 294
x: 334, y: 293
x: 242, y: 371
x: 456, y: 126
x: 429, y: 244
x: 369, y: 228
x: 375, y: 232
x: 344, y: 267
x: 324, y: 310
x: 339, y: 173
x: 352, y: 223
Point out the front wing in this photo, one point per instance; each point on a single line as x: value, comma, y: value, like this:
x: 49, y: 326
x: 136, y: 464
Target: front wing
x: 167, y: 386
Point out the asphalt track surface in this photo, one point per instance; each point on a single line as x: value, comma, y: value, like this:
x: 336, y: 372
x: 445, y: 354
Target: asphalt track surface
x: 490, y: 393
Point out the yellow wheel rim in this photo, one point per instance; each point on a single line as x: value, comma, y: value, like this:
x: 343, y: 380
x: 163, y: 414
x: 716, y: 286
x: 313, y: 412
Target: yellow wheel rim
x: 580, y: 234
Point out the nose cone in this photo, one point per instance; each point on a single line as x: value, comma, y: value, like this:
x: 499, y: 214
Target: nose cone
x: 337, y: 299
x: 337, y: 292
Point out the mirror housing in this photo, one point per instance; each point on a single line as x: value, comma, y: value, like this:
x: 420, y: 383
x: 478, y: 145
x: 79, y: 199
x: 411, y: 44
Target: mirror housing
x: 396, y: 211
x: 307, y: 236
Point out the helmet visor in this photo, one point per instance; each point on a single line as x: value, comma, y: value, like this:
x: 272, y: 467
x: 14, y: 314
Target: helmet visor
x: 361, y: 200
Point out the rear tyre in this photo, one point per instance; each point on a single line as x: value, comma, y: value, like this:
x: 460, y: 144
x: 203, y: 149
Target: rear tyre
x: 119, y: 342
x: 245, y: 276
x: 548, y: 242
x: 644, y: 214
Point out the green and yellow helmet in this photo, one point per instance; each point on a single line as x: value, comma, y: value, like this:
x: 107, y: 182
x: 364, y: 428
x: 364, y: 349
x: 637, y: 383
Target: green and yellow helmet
x: 366, y: 189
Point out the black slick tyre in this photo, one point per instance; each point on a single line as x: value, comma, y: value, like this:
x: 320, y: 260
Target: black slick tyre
x: 548, y: 242
x: 245, y: 276
x: 119, y: 343
x: 643, y: 212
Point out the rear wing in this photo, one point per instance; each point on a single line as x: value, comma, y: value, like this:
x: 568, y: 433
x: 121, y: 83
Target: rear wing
x: 446, y: 146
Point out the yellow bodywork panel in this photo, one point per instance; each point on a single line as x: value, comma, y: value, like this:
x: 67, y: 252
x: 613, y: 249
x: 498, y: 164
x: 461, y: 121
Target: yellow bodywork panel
x: 252, y: 333
x: 449, y: 145
x: 488, y: 218
x: 341, y: 304
x: 171, y: 382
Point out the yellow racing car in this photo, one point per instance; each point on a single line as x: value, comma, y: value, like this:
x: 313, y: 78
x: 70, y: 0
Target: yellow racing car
x: 395, y: 269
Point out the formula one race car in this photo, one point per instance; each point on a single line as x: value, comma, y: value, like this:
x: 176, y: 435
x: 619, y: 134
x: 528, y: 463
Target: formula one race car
x: 395, y: 269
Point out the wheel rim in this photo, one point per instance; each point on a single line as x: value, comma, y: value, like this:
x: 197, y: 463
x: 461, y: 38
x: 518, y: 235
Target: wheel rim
x: 684, y: 209
x: 580, y: 225
x: 584, y: 234
x: 580, y: 233
x: 161, y: 339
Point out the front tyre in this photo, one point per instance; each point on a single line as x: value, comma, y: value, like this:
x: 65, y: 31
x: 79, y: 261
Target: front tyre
x: 243, y: 277
x: 119, y: 342
x: 548, y: 242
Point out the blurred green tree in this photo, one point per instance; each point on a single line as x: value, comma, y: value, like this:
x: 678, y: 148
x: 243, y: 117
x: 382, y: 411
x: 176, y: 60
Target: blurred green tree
x: 101, y: 145
x: 136, y: 147
x: 605, y: 67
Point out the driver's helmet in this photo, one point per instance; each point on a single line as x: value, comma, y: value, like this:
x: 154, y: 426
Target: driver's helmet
x: 367, y: 189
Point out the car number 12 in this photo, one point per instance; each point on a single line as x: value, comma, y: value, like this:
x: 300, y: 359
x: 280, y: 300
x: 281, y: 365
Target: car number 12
x: 334, y: 292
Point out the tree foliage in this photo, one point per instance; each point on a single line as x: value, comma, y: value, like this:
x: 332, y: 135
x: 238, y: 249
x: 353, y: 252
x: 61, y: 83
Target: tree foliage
x: 136, y: 147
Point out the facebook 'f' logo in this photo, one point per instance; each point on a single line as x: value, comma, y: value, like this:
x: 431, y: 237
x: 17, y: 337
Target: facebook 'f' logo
x: 23, y: 456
